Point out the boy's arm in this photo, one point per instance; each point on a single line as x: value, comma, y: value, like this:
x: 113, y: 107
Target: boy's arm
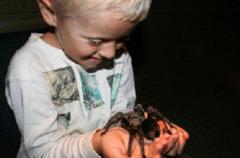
x: 36, y: 117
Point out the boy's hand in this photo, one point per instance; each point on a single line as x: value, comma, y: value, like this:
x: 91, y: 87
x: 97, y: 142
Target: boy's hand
x: 154, y: 149
x: 115, y: 144
x: 177, y: 140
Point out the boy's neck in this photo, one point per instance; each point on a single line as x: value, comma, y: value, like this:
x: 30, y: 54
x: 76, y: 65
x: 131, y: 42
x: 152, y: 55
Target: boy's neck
x: 51, y: 39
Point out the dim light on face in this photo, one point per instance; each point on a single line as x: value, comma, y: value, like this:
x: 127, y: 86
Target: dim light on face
x: 92, y: 42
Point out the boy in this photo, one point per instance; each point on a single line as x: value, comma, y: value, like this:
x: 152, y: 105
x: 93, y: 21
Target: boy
x: 64, y: 85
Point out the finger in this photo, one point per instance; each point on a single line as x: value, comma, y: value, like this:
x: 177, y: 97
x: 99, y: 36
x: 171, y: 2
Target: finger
x: 181, y: 142
x: 179, y: 146
x: 163, y: 127
x: 173, y: 151
x: 162, y: 142
x: 173, y: 141
x: 185, y: 133
x: 172, y: 147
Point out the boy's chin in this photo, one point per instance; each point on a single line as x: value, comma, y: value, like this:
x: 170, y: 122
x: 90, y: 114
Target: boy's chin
x: 104, y: 65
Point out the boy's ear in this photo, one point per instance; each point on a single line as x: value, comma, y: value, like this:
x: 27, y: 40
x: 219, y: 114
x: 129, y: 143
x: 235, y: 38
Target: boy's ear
x: 47, y: 12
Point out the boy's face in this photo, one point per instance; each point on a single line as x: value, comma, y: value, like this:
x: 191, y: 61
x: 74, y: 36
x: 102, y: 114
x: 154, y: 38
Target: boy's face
x: 91, y: 43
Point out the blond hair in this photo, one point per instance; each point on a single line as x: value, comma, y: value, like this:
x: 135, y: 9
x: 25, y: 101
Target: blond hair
x: 132, y: 10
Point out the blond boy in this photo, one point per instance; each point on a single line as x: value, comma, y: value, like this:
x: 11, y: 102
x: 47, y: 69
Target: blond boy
x: 65, y: 84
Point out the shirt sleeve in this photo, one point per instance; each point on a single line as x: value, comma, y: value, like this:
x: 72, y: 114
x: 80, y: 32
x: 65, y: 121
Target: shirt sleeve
x: 126, y: 96
x: 36, y: 117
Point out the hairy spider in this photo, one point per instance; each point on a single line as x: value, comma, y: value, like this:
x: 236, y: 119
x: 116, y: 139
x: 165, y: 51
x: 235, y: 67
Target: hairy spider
x: 137, y: 126
x: 132, y: 122
x: 156, y: 115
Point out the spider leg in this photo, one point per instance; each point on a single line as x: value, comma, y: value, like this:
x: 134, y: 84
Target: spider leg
x: 113, y: 120
x: 131, y: 136
x: 156, y: 114
x: 141, y: 141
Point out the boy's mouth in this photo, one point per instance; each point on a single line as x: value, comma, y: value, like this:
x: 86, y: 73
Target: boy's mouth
x: 96, y: 60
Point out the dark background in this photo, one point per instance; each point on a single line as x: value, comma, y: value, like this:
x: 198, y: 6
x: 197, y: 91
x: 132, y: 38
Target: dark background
x: 186, y: 62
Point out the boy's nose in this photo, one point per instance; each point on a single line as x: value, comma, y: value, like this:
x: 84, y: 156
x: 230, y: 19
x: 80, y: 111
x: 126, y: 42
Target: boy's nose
x: 108, y: 50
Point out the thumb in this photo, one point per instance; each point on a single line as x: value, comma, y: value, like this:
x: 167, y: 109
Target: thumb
x: 157, y: 147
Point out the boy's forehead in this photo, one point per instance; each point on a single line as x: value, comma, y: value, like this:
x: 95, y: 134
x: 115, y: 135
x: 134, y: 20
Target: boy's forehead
x: 105, y: 27
x: 47, y: 0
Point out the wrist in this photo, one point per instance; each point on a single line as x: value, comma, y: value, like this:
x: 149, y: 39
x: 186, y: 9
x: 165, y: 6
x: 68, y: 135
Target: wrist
x: 96, y: 142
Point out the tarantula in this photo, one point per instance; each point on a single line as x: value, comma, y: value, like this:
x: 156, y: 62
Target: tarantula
x: 137, y: 126
x: 154, y: 114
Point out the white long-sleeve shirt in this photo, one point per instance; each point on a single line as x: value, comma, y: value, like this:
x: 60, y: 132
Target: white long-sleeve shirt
x: 57, y: 105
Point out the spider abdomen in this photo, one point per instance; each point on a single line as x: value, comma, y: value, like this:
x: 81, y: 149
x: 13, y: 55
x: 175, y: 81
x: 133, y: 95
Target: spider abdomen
x: 150, y: 128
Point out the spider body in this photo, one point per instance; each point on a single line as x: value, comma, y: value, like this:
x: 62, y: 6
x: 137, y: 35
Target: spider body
x: 132, y: 122
x: 150, y: 128
x: 137, y: 126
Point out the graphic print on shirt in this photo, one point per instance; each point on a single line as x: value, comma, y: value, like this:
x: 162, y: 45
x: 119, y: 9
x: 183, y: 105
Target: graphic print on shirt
x: 62, y: 85
x: 114, y: 83
x: 64, y: 119
x: 91, y: 94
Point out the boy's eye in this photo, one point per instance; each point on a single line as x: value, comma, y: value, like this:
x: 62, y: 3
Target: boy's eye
x: 98, y: 42
x: 95, y: 42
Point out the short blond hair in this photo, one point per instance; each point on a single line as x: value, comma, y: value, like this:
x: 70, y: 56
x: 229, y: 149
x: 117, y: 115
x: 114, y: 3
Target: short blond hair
x: 132, y: 10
